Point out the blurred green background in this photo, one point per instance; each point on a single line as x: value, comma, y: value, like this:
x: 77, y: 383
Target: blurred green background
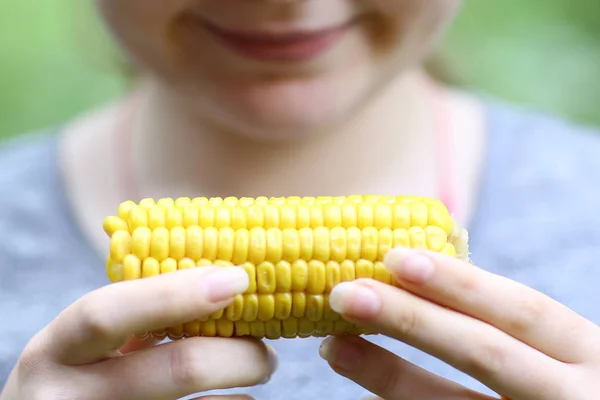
x: 56, y: 61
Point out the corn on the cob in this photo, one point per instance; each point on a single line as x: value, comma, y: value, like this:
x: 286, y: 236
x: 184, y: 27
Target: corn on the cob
x: 295, y: 250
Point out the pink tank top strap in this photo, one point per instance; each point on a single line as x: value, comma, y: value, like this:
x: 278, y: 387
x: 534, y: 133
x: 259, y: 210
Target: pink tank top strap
x: 444, y: 146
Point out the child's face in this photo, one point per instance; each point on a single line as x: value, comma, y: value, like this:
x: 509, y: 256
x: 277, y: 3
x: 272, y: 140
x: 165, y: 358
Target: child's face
x: 221, y: 56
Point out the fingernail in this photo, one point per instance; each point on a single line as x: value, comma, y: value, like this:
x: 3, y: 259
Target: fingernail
x: 409, y: 265
x: 273, y: 363
x: 350, y: 298
x: 225, y: 283
x: 346, y: 356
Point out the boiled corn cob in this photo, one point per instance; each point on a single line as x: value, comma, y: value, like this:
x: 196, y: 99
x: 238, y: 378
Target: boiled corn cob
x: 295, y: 250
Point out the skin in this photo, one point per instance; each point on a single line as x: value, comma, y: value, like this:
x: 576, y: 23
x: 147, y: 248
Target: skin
x: 517, y: 341
x: 89, y: 351
x: 198, y: 107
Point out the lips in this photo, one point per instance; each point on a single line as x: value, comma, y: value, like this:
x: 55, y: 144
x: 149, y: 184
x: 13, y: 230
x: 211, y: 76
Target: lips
x: 298, y: 46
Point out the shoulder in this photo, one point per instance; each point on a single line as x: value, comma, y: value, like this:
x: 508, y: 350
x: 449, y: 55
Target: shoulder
x: 537, y: 219
x: 36, y: 221
x: 31, y: 187
x: 552, y: 161
x: 29, y: 177
x: 44, y: 263
x: 28, y: 152
x: 543, y: 141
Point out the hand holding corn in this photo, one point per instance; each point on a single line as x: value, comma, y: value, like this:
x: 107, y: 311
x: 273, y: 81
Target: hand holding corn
x: 516, y: 341
x: 89, y: 352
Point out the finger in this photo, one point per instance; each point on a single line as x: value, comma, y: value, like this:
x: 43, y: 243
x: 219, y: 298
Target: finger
x: 137, y: 343
x: 496, y: 359
x: 104, y: 320
x: 522, y: 312
x: 387, y: 375
x: 181, y: 368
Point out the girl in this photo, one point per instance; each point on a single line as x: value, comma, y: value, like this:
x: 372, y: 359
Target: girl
x: 278, y: 98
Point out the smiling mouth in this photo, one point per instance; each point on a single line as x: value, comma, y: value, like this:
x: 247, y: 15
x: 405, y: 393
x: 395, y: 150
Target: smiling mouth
x: 294, y: 47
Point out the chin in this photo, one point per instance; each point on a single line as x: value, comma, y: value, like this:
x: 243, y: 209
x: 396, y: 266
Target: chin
x: 287, y: 109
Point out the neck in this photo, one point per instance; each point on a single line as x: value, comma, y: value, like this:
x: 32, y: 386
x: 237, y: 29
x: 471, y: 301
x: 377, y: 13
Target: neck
x: 387, y: 148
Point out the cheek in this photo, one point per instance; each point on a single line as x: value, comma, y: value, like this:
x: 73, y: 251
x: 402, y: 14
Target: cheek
x: 409, y: 27
x: 141, y: 27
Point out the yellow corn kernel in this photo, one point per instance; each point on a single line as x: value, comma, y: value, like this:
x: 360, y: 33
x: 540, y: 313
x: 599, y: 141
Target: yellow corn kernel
x: 241, y: 246
x: 114, y: 271
x: 159, y: 244
x: 217, y: 315
x: 328, y: 313
x: 235, y: 310
x: 369, y: 244
x: 273, y: 329
x: 166, y: 202
x: 223, y: 217
x: 137, y: 217
x: 186, y: 263
x: 347, y: 271
x: 225, y: 328
x: 157, y: 217
x: 176, y: 332
x: 238, y: 217
x: 132, y: 268
x: 113, y: 224
x: 289, y: 328
x: 120, y: 245
x: 283, y: 277
x: 211, y: 242
x: 266, y: 278
x: 338, y: 245
x: 353, y: 243
x: 150, y: 267
x: 250, y: 307
x: 283, y: 305
x: 381, y: 273
x: 324, y: 328
x: 316, y: 278
x: 147, y: 203
x: 209, y: 328
x: 226, y: 243
x: 295, y: 251
x: 299, y: 276
x: 266, y: 307
x: 364, y: 269
x: 274, y: 251
x: 418, y: 239
x: 257, y: 329
x: 174, y: 218
x: 288, y: 217
x: 332, y: 275
x: 298, y: 304
x: 177, y: 238
x: 314, y: 307
x: 191, y: 329
x: 124, y: 209
x: 291, y: 245
x: 168, y: 265
x: 321, y: 246
x: 258, y: 245
x: 141, y: 242
x: 207, y: 216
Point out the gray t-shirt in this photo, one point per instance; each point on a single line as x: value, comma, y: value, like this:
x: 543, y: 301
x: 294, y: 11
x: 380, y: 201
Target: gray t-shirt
x: 537, y: 221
